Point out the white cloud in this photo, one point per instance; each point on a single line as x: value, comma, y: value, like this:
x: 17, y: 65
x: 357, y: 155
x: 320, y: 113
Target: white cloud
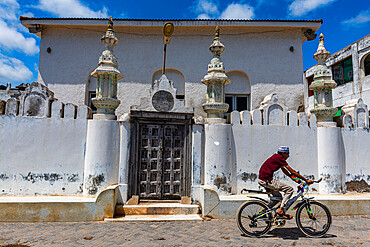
x: 70, y: 8
x: 13, y: 70
x: 207, y: 9
x: 362, y: 17
x: 10, y: 39
x: 238, y: 11
x: 302, y: 7
x: 8, y: 9
x: 203, y: 16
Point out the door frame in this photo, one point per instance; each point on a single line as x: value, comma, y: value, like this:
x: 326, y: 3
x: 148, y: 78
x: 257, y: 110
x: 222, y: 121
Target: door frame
x: 145, y: 117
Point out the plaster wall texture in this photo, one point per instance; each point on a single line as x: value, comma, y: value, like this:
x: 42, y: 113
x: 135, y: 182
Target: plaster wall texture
x: 357, y: 157
x: 41, y: 156
x: 262, y: 53
x: 102, y: 156
x: 217, y: 155
x: 246, y: 144
x: 124, y: 153
x: 253, y: 145
x: 330, y: 160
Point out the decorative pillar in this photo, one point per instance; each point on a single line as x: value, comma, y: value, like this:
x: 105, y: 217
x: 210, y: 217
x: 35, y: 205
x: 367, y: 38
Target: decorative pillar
x: 107, y: 74
x: 329, y: 141
x: 103, y: 135
x: 322, y: 86
x: 216, y: 79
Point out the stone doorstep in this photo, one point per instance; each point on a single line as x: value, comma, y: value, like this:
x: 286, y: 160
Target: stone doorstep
x: 178, y: 217
x: 157, y: 209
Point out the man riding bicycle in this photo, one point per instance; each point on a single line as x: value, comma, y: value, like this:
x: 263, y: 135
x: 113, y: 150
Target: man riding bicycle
x: 266, y: 180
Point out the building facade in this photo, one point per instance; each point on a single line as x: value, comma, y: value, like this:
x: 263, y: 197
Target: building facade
x: 259, y: 56
x: 169, y: 140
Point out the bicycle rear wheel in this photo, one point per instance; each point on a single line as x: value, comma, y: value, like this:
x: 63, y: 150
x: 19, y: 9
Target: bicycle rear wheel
x: 314, y: 220
x: 251, y: 220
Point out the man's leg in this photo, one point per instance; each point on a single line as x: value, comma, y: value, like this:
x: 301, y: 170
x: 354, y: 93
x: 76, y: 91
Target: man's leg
x: 273, y: 191
x: 288, y: 192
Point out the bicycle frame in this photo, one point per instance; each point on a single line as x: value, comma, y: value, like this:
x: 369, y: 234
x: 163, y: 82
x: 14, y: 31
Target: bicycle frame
x: 301, y: 188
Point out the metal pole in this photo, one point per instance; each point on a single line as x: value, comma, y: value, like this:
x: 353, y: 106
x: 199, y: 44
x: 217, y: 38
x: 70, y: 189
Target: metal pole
x: 164, y: 59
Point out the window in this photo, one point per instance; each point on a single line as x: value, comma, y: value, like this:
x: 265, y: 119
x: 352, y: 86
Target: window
x: 92, y: 94
x: 343, y: 71
x: 309, y: 81
x: 237, y: 102
x: 367, y: 65
x: 237, y: 93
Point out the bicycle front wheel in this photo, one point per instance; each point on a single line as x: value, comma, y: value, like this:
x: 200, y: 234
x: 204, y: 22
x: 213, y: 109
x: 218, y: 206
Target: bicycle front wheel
x: 313, y: 219
x: 251, y: 219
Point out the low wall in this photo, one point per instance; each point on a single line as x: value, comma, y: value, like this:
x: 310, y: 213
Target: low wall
x: 357, y: 159
x: 252, y: 145
x: 235, y: 152
x: 41, y: 156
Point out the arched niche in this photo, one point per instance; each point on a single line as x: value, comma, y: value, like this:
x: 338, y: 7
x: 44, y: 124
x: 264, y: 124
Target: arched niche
x: 173, y: 75
x: 237, y: 93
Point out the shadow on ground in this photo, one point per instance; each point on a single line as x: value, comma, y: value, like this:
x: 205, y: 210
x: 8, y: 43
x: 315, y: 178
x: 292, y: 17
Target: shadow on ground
x: 291, y: 233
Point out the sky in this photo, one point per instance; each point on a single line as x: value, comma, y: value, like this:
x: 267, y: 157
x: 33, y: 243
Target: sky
x: 344, y: 22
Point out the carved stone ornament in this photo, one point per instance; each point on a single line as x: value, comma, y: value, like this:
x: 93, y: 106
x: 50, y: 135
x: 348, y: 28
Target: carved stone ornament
x: 216, y: 79
x: 162, y: 98
x: 107, y: 74
x: 322, y: 86
x: 163, y: 101
x: 36, y: 101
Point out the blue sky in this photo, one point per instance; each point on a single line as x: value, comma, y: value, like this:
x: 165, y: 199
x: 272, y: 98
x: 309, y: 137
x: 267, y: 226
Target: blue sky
x: 344, y: 22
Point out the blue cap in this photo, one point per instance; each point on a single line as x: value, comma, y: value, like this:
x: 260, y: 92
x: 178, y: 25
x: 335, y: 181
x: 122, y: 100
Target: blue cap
x: 283, y: 149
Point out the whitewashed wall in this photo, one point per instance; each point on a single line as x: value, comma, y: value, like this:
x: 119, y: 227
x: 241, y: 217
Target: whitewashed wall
x: 262, y: 53
x: 41, y: 156
x: 357, y: 156
x: 254, y: 144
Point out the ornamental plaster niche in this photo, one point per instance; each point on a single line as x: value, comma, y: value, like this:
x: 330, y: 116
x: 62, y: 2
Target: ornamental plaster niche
x: 36, y: 101
x: 358, y: 111
x: 162, y: 98
x: 274, y: 113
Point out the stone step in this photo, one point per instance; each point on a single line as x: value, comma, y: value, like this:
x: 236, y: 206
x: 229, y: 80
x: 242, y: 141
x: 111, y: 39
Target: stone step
x: 157, y: 209
x: 158, y: 217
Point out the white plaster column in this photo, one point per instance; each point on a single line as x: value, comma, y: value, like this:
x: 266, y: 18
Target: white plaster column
x: 329, y: 139
x: 217, y: 161
x: 124, y: 158
x: 330, y: 159
x: 197, y: 159
x: 355, y: 66
x: 102, y: 153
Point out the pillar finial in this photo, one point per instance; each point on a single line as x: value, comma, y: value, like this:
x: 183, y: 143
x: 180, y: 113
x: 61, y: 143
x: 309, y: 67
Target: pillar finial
x: 107, y: 74
x: 110, y: 24
x: 216, y: 79
x: 322, y: 86
x: 217, y: 33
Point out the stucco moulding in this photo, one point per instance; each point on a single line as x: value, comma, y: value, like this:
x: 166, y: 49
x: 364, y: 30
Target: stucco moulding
x: 358, y: 112
x: 164, y: 85
x: 38, y: 101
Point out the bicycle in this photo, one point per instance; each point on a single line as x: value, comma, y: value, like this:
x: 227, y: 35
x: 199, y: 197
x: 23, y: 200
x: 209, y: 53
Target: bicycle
x: 255, y: 218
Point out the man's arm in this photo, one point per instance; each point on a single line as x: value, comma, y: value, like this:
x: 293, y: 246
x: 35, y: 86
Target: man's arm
x: 291, y: 172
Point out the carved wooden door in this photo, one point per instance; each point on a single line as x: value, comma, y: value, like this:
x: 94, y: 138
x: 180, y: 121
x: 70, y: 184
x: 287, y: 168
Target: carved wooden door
x: 161, y: 161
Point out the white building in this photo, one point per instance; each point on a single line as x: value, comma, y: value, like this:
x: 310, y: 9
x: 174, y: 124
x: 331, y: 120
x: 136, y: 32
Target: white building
x: 262, y: 57
x: 163, y: 146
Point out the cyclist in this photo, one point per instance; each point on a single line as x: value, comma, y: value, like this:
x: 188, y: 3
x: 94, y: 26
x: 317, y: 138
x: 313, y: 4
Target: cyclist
x: 265, y: 179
